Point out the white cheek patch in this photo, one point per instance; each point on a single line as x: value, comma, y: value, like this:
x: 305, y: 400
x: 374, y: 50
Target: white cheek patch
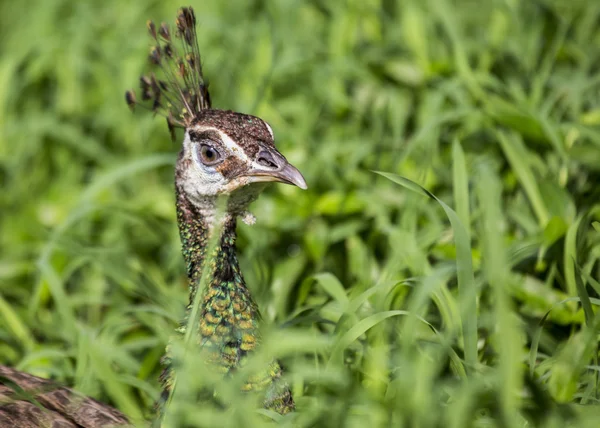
x: 199, y: 181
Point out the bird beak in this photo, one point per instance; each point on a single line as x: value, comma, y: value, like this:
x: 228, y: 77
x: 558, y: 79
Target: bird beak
x: 287, y: 174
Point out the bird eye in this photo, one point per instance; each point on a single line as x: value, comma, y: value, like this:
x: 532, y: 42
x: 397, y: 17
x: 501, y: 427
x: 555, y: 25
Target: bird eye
x: 209, y: 155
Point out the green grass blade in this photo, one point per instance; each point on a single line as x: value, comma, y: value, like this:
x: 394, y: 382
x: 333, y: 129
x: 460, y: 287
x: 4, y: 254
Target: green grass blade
x: 515, y: 152
x: 333, y: 287
x: 461, y: 187
x: 464, y: 269
x: 570, y: 261
x: 496, y: 270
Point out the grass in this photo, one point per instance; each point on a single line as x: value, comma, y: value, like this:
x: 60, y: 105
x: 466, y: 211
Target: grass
x: 457, y: 287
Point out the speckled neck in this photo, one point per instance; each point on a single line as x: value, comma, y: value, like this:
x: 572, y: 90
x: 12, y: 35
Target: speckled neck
x: 227, y: 328
x: 228, y: 323
x: 195, y: 224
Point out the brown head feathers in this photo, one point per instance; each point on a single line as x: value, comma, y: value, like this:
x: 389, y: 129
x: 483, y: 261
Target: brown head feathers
x: 180, y: 91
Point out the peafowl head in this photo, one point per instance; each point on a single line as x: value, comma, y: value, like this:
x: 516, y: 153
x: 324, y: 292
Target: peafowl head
x: 224, y: 153
x: 229, y: 153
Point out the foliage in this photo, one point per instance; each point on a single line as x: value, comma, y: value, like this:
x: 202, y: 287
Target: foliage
x: 473, y: 308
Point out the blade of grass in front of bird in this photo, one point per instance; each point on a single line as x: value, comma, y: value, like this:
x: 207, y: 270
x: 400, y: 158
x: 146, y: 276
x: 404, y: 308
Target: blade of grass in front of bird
x: 468, y: 294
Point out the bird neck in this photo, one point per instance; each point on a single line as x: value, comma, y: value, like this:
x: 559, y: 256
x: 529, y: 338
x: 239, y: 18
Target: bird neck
x: 228, y: 321
x: 196, y: 224
x: 228, y: 324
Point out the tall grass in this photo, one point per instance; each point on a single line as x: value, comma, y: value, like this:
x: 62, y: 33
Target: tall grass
x: 459, y: 287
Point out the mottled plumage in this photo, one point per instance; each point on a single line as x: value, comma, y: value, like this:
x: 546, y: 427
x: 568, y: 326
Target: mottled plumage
x: 229, y: 317
x: 249, y: 132
x: 27, y: 401
x: 228, y: 327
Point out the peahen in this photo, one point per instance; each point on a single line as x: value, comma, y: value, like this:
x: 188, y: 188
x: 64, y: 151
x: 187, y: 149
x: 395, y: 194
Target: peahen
x: 225, y: 161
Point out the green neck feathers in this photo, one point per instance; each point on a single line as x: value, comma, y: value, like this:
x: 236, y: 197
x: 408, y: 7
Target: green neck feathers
x: 228, y: 322
x: 227, y: 327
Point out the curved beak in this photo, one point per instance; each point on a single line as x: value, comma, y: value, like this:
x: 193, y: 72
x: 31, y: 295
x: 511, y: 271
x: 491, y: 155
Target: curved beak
x: 287, y: 174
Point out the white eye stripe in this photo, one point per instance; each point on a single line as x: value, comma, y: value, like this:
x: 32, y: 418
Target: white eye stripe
x: 233, y: 146
x: 227, y: 142
x: 269, y: 129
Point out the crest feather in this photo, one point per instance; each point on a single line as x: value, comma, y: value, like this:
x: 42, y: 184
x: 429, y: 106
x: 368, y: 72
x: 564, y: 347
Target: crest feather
x: 180, y: 92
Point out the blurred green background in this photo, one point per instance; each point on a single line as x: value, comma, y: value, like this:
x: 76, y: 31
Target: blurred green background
x: 492, y: 106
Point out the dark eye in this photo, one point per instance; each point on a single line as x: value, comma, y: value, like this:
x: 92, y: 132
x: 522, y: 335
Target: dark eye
x: 208, y: 154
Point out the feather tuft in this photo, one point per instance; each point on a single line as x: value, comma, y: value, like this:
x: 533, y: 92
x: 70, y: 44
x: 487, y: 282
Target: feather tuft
x: 164, y: 32
x: 151, y: 29
x: 130, y: 99
x: 180, y: 92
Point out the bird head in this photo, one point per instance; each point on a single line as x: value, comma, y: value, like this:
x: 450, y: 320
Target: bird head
x: 231, y: 154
